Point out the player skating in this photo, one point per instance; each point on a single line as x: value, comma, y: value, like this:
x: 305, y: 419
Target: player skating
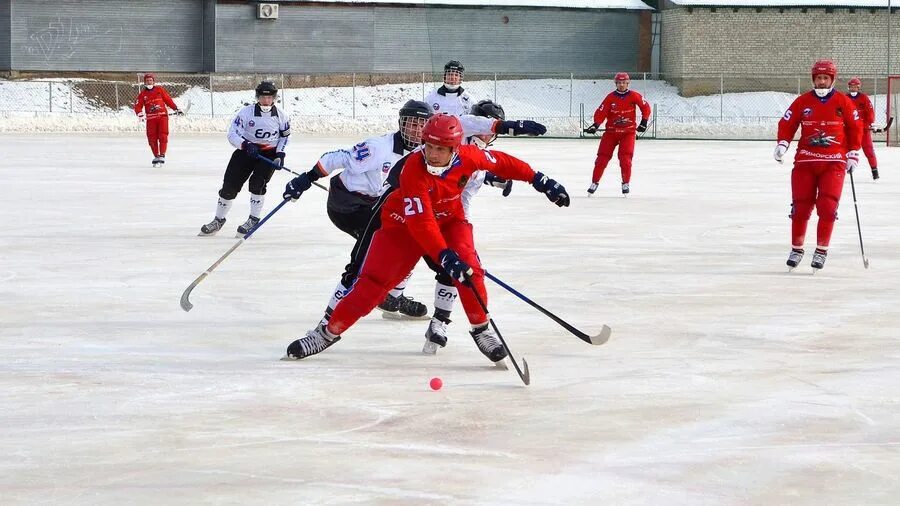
x: 830, y: 134
x: 151, y: 105
x: 425, y: 216
x: 867, y: 116
x: 618, y: 110
x: 257, y: 130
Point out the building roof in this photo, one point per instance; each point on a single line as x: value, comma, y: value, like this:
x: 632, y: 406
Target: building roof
x: 786, y: 3
x: 567, y: 4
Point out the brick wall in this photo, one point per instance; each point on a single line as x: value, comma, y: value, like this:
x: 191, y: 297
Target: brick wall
x: 774, y: 42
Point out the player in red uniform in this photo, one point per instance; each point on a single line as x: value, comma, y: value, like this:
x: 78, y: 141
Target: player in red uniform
x: 830, y: 134
x: 151, y: 103
x: 619, y: 111
x: 425, y: 216
x: 867, y: 115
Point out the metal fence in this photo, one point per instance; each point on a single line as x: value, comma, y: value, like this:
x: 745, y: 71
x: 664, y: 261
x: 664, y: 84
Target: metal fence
x: 700, y: 106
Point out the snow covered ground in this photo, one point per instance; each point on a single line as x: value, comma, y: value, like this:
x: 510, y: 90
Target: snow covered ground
x: 58, y: 106
x: 726, y: 381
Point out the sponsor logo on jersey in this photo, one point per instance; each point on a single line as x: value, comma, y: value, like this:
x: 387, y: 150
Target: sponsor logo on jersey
x: 819, y: 139
x: 386, y: 167
x: 463, y: 181
x: 251, y: 124
x: 436, y: 106
x: 807, y: 112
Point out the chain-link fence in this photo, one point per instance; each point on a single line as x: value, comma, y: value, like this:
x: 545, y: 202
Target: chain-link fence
x: 701, y: 106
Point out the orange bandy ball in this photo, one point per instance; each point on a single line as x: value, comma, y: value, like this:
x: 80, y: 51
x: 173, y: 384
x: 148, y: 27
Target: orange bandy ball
x: 436, y: 383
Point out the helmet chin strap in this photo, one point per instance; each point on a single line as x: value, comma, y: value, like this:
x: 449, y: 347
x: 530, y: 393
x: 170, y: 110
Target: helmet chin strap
x: 821, y: 92
x: 438, y: 170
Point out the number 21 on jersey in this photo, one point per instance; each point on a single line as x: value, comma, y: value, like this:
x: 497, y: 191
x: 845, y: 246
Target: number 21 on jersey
x: 412, y: 206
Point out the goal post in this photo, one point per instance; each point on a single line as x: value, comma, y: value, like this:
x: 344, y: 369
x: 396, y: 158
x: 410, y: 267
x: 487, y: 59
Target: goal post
x: 893, y: 109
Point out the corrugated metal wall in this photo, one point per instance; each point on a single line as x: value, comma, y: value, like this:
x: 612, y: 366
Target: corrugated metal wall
x: 4, y: 35
x: 314, y: 39
x: 107, y: 35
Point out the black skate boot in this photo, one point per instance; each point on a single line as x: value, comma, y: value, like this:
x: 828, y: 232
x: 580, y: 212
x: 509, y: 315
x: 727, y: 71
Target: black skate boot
x: 162, y: 160
x: 436, y: 335
x: 625, y: 189
x: 794, y: 258
x: 248, y: 225
x: 488, y: 344
x: 156, y: 162
x: 874, y: 173
x: 402, y: 308
x: 592, y: 189
x: 315, y: 341
x: 818, y: 260
x: 212, y: 227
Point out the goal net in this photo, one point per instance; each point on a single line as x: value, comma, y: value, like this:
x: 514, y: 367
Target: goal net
x: 893, y: 108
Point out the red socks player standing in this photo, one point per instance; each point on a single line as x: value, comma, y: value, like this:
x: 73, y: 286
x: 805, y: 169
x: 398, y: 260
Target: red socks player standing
x: 151, y: 103
x: 830, y: 134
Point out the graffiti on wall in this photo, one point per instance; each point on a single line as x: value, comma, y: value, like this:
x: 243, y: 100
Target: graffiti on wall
x: 62, y: 38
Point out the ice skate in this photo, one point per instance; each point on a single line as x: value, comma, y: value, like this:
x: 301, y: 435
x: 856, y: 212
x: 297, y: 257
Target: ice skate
x: 315, y: 341
x: 402, y: 308
x: 625, y: 189
x: 818, y: 260
x: 162, y: 160
x: 435, y: 336
x: 592, y: 189
x: 248, y: 225
x: 156, y: 162
x: 794, y: 258
x: 212, y: 227
x: 874, y: 173
x: 489, y: 345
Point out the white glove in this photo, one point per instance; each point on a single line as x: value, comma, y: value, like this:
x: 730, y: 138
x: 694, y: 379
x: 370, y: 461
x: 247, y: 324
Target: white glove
x: 852, y: 161
x: 780, y: 150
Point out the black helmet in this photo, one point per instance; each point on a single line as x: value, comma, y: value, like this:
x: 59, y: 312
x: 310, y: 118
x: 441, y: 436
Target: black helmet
x: 416, y: 109
x: 488, y: 109
x: 266, y: 89
x: 454, y: 65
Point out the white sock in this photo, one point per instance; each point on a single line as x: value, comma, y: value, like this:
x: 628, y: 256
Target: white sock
x: 445, y: 296
x: 222, y: 208
x: 339, y: 291
x: 256, y: 204
x: 398, y: 290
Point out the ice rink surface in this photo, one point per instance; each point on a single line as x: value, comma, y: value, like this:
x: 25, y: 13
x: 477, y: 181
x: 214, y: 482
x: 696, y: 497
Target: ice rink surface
x: 726, y: 381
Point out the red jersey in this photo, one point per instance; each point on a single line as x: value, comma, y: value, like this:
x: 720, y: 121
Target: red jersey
x: 154, y: 102
x: 619, y: 111
x: 865, y: 108
x: 424, y: 201
x: 829, y: 127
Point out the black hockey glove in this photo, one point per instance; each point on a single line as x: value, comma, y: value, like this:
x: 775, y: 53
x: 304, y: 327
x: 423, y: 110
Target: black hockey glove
x: 591, y: 129
x: 279, y: 159
x: 250, y: 148
x: 178, y: 112
x: 496, y: 181
x: 300, y: 184
x: 455, y: 268
x: 643, y: 126
x: 553, y: 190
x: 521, y: 127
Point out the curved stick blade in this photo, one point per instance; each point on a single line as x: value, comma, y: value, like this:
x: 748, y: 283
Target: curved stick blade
x: 602, y: 337
x: 185, y: 303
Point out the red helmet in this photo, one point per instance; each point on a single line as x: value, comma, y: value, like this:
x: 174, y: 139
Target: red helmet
x: 826, y: 67
x: 622, y: 76
x: 443, y: 130
x: 149, y: 75
x: 854, y: 82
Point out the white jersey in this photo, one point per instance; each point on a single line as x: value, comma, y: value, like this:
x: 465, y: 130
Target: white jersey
x: 456, y: 102
x: 367, y: 164
x: 270, y: 130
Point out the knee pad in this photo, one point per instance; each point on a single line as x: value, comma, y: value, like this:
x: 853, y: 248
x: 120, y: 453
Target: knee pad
x: 257, y: 188
x: 801, y: 209
x: 826, y: 207
x: 228, y: 193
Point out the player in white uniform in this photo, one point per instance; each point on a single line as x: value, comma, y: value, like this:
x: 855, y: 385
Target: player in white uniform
x: 257, y: 130
x: 450, y: 97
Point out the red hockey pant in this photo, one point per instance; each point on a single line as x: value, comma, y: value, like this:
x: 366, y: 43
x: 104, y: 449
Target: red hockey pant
x: 609, y: 141
x: 868, y: 148
x: 391, y: 256
x: 158, y: 134
x: 819, y: 185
